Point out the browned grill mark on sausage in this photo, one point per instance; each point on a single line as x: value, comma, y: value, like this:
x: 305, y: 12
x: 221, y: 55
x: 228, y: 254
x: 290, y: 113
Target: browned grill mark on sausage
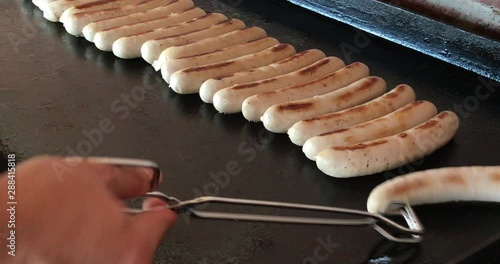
x: 443, y: 115
x: 199, y: 18
x: 140, y: 33
x: 91, y: 4
x: 294, y: 57
x: 319, y: 80
x: 404, y: 187
x: 403, y: 135
x: 453, y: 179
x: 362, y: 145
x: 347, y: 96
x: 226, y: 22
x: 334, y: 132
x: 353, y: 65
x: 353, y: 110
x: 245, y: 86
x: 222, y: 23
x: 428, y: 124
x: 85, y: 13
x: 219, y: 50
x: 223, y: 76
x: 294, y: 106
x: 396, y: 91
x: 266, y: 94
x: 495, y: 177
x: 143, y: 2
x: 357, y: 109
x: 223, y: 49
x: 411, y: 106
x: 133, y: 24
x: 198, y: 55
x: 80, y: 14
x: 184, y: 11
x: 254, y: 84
x: 279, y: 47
x: 365, y: 124
x: 367, y: 84
x: 209, y: 67
x: 323, y: 117
x: 344, y: 70
x: 314, y: 68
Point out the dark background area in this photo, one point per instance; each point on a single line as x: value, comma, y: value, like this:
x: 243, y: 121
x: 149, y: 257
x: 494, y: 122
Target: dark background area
x: 3, y: 162
x: 55, y: 88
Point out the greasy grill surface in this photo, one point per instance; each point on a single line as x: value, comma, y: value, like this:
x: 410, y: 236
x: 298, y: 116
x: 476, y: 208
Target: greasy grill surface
x: 55, y: 89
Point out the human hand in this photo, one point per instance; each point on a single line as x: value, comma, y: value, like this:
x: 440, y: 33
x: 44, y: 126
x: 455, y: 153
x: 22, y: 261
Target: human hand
x: 75, y: 215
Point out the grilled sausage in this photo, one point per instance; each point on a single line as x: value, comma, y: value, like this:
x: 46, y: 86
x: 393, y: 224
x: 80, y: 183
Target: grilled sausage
x: 213, y: 44
x: 53, y: 10
x: 95, y: 6
x: 91, y: 29
x: 196, y: 17
x: 385, y: 104
x: 60, y: 6
x: 152, y: 49
x: 232, y: 52
x: 255, y: 106
x: 390, y: 152
x: 75, y: 23
x: 229, y: 100
x: 280, y: 117
x: 288, y: 65
x: 189, y: 80
x: 437, y: 186
x: 402, y: 119
x: 130, y: 46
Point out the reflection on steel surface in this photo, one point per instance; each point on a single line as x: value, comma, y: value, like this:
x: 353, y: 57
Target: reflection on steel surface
x: 442, y: 41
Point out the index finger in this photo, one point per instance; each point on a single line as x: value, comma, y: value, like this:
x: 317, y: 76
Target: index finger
x: 148, y: 167
x: 126, y: 178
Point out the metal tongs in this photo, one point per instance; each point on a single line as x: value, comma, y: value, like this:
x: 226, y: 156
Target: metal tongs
x: 385, y: 226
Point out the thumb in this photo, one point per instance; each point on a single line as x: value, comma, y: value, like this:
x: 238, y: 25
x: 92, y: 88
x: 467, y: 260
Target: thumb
x: 151, y: 226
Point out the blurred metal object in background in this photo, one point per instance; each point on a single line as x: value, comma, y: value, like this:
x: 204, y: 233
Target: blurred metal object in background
x: 437, y: 39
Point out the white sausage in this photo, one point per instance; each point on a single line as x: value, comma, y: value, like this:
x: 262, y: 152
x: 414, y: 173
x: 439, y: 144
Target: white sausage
x: 213, y: 44
x: 104, y: 39
x: 158, y: 64
x: 390, y: 152
x: 95, y: 6
x: 232, y: 52
x: 152, y: 49
x: 437, y: 186
x: 53, y: 10
x: 75, y: 23
x: 280, y: 117
x: 230, y: 100
x: 402, y: 119
x: 130, y: 46
x: 91, y: 29
x: 383, y: 105
x: 288, y: 65
x: 255, y: 106
x: 188, y: 81
x: 42, y: 3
